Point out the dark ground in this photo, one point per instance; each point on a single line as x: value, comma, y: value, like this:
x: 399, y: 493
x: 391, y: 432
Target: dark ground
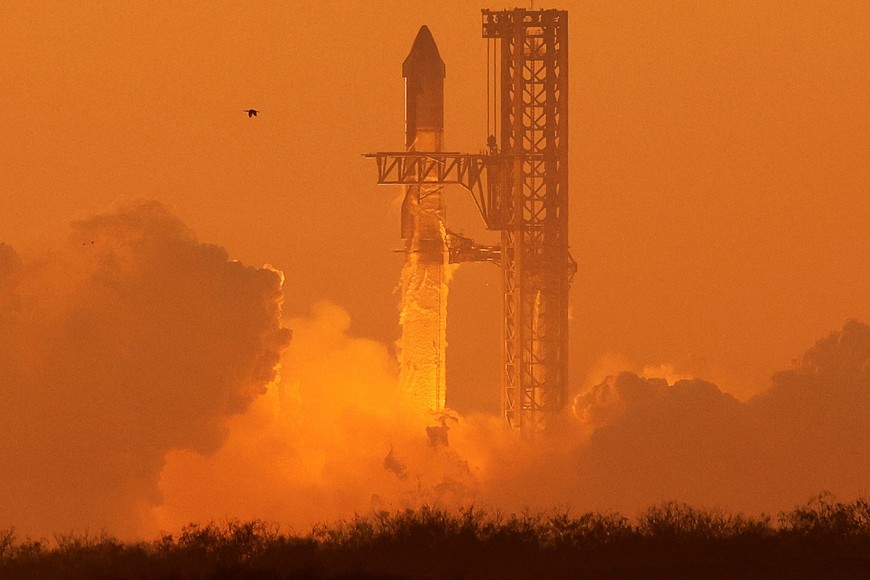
x: 823, y: 539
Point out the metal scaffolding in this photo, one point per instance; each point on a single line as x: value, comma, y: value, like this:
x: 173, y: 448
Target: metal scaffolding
x: 521, y: 189
x: 536, y: 266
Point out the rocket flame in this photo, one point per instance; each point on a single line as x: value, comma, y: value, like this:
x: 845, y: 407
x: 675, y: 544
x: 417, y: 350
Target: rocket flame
x: 423, y: 315
x: 423, y: 319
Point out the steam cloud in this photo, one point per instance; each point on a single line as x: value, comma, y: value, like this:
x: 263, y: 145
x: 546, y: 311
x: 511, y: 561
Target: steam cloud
x: 335, y: 441
x: 807, y: 433
x: 133, y: 340
x: 137, y: 369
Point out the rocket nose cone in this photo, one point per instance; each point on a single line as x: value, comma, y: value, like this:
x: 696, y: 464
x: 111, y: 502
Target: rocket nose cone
x: 424, y: 57
x: 424, y: 40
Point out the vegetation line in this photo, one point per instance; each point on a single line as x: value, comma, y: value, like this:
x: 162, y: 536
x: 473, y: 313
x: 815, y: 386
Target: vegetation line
x: 821, y: 539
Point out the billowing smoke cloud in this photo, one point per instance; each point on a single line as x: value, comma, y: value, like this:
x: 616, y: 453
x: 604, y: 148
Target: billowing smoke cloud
x: 137, y: 368
x: 333, y: 440
x: 344, y: 445
x: 689, y: 441
x: 815, y: 420
x: 133, y: 340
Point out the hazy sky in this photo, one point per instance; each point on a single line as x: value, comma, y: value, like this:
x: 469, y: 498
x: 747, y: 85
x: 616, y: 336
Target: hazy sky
x: 720, y: 184
x: 719, y: 173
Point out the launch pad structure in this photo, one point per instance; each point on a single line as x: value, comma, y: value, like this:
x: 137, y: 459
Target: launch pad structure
x: 520, y: 186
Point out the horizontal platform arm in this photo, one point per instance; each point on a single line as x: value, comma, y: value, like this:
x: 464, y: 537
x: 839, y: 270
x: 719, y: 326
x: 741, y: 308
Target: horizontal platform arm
x: 484, y: 175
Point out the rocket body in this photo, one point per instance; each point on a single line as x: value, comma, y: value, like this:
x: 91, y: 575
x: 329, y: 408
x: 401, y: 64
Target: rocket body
x: 424, y: 276
x: 422, y: 213
x: 424, y: 73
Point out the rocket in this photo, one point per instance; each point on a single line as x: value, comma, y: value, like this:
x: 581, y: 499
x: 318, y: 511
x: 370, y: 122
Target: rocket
x: 424, y: 275
x: 422, y: 215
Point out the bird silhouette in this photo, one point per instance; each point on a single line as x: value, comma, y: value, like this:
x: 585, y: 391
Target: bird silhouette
x: 251, y: 112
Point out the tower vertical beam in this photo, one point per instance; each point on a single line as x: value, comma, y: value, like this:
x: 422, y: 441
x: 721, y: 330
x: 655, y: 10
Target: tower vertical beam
x: 535, y: 261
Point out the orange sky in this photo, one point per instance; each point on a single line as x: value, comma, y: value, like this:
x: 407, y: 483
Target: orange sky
x: 719, y: 173
x: 719, y: 209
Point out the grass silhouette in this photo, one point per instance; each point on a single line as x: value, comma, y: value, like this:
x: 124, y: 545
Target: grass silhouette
x: 821, y: 539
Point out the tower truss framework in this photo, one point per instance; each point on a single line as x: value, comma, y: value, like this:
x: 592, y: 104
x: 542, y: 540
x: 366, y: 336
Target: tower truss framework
x: 536, y: 267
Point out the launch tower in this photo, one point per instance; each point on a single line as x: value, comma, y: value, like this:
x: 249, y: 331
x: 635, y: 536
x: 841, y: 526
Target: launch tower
x: 532, y: 75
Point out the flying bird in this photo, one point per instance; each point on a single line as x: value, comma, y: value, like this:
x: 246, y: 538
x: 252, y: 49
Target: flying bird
x: 251, y: 112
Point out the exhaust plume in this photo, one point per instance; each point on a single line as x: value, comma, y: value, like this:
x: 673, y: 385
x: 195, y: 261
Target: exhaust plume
x: 132, y: 340
x: 140, y: 394
x: 333, y: 438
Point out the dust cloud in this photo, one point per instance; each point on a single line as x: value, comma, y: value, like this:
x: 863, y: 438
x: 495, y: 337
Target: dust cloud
x: 331, y: 439
x: 131, y: 340
x: 148, y: 381
x: 808, y: 432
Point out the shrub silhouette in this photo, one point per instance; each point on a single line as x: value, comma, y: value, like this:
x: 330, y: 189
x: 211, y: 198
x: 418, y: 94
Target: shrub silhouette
x: 820, y: 539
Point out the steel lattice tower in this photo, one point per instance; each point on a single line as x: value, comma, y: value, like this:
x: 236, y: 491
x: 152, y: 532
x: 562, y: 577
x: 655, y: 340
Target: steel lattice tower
x: 521, y: 189
x: 535, y: 262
